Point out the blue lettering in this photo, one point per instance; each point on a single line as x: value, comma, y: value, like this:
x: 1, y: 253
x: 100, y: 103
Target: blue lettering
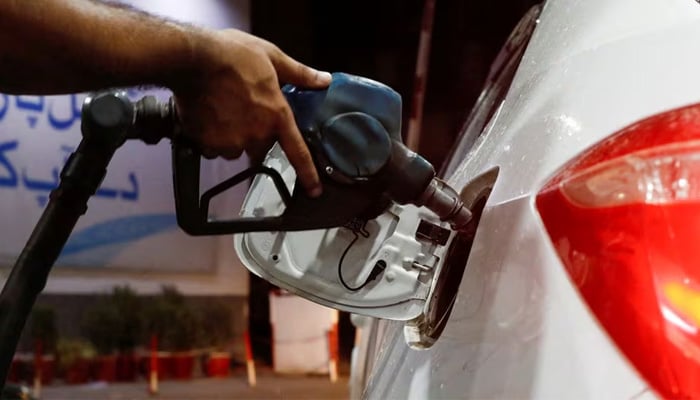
x: 32, y: 104
x: 38, y: 185
x: 42, y: 199
x: 35, y: 184
x: 11, y: 179
x: 5, y: 105
x: 133, y: 194
x: 65, y: 123
x: 106, y: 192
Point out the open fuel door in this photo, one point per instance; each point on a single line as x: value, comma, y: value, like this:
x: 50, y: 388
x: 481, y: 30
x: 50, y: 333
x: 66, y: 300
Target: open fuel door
x: 385, y: 267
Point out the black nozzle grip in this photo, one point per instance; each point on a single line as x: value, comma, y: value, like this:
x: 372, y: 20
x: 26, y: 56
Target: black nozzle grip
x: 338, y: 205
x: 186, y: 167
x: 193, y: 212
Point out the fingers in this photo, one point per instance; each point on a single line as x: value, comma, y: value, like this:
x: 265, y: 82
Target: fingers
x: 298, y: 153
x: 292, y: 71
x: 231, y: 153
x: 209, y: 154
x: 258, y: 150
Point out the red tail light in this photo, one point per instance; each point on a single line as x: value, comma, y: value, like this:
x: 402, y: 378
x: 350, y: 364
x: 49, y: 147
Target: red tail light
x: 624, y: 218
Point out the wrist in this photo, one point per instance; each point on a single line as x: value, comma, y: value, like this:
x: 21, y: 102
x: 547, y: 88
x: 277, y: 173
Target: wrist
x: 189, y: 58
x: 210, y: 54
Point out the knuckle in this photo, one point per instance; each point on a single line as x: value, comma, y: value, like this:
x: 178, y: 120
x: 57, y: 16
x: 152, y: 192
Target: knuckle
x: 282, y: 110
x: 225, y: 143
x: 208, y: 153
x: 232, y: 154
x: 262, y: 53
x: 302, y: 158
x: 303, y: 70
x: 306, y: 174
x: 274, y: 51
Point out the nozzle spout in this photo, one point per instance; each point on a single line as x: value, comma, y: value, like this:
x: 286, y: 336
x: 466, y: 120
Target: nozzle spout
x: 444, y: 201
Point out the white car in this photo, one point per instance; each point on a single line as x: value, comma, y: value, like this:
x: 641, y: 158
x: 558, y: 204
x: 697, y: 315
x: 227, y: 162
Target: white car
x: 582, y: 278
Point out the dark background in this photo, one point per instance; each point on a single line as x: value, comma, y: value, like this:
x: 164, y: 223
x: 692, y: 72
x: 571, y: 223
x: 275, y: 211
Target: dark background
x: 378, y: 39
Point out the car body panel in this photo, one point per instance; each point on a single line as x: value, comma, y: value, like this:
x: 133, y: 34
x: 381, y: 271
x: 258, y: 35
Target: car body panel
x: 519, y: 328
x: 515, y: 322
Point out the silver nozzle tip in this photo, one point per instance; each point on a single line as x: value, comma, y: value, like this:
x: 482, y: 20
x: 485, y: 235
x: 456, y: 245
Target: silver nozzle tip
x: 444, y: 201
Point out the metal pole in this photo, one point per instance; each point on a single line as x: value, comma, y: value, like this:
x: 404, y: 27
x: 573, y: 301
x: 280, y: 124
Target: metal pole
x: 421, y: 78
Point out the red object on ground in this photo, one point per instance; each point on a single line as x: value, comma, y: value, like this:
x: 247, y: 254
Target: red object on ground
x: 248, y: 347
x: 218, y: 364
x: 38, y: 349
x: 48, y: 370
x: 105, y: 368
x: 183, y: 365
x: 333, y: 352
x: 152, y: 373
x: 250, y: 363
x: 159, y: 361
x: 154, y: 354
x: 126, y: 367
x: 333, y: 343
x: 22, y: 370
x: 166, y: 365
x: 78, y: 372
x: 14, y: 374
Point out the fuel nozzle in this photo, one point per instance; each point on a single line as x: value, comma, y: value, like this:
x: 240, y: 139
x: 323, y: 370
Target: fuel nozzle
x: 444, y: 201
x: 411, y: 180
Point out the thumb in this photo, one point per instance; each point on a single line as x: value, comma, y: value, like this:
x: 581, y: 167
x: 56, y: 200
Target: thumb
x: 292, y: 71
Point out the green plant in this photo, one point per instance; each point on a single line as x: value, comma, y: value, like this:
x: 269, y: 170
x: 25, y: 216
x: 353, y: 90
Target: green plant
x: 173, y: 320
x: 100, y: 325
x: 217, y: 328
x: 115, y: 322
x: 128, y: 306
x: 70, y: 350
x: 42, y: 326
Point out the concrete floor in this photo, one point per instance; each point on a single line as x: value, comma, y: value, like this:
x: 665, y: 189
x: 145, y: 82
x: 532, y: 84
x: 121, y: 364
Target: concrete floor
x: 269, y: 386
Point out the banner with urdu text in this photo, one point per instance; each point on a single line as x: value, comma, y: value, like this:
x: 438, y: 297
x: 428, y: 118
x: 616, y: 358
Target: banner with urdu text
x: 130, y: 223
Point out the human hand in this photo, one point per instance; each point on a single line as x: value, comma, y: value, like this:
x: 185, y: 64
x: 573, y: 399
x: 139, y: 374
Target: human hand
x: 234, y: 103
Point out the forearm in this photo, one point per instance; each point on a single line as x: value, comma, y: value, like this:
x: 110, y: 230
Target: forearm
x: 59, y: 46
